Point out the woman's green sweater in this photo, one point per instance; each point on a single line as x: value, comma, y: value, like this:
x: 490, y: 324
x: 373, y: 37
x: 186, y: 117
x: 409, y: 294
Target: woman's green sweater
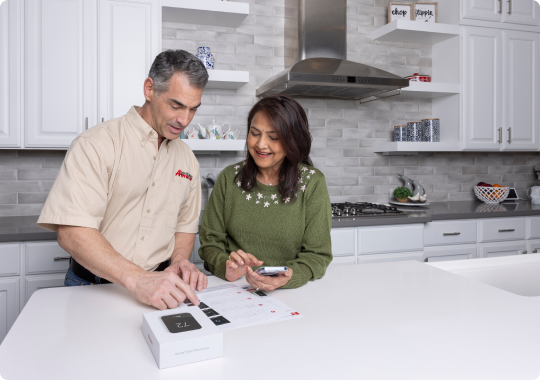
x: 295, y: 234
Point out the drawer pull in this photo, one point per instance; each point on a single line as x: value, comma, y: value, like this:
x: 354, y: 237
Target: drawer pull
x: 58, y: 258
x: 510, y: 230
x: 426, y: 260
x: 451, y: 233
x: 535, y: 251
x: 524, y: 252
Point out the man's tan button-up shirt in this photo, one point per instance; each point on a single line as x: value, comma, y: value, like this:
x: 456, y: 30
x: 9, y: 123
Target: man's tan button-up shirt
x: 115, y: 179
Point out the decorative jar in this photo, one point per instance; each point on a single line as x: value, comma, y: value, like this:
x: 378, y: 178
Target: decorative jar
x: 206, y: 57
x: 414, y: 131
x: 431, y: 130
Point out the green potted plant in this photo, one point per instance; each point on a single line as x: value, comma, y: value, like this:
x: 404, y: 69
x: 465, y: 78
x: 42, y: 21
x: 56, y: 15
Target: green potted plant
x: 402, y: 194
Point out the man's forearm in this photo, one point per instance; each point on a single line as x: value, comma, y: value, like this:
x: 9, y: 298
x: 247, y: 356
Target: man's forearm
x: 183, y: 246
x: 90, y: 249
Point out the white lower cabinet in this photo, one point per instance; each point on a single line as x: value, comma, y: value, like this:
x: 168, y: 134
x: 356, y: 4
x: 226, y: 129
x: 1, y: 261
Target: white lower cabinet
x: 343, y: 241
x: 389, y: 257
x: 448, y: 253
x: 38, y: 282
x: 501, y: 249
x: 533, y: 246
x: 343, y: 260
x: 501, y: 229
x: 389, y: 239
x: 9, y: 304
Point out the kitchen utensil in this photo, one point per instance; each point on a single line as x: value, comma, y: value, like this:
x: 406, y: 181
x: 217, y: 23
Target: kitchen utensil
x: 230, y: 134
x: 491, y: 194
x: 407, y: 204
x: 215, y: 129
x: 414, y: 131
x: 431, y: 130
x: 419, y: 78
x: 206, y: 57
x: 534, y: 194
x: 210, y: 180
x: 192, y: 133
x: 400, y: 133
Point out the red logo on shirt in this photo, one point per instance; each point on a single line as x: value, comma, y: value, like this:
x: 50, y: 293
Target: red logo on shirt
x: 182, y: 174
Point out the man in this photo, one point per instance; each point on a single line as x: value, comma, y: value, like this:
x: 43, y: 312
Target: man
x: 127, y: 200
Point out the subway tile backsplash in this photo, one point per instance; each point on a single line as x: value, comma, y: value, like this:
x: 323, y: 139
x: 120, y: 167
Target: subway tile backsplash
x: 343, y: 131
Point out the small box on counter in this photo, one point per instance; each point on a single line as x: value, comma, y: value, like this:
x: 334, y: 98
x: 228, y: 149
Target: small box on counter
x: 178, y: 336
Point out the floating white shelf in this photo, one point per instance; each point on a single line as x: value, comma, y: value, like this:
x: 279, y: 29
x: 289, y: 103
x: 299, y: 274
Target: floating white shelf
x: 430, y: 90
x: 204, y: 12
x: 413, y: 147
x: 227, y: 79
x: 199, y: 145
x: 415, y: 32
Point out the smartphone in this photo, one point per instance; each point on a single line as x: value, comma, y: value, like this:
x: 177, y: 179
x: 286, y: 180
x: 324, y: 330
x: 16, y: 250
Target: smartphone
x: 271, y: 271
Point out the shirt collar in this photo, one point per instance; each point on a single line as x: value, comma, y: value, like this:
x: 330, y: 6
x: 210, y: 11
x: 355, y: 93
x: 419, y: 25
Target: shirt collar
x: 143, y: 131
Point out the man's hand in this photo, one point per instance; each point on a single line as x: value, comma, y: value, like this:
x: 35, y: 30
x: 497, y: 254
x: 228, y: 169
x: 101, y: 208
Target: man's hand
x: 162, y: 290
x: 268, y: 282
x: 238, y: 264
x: 189, y: 273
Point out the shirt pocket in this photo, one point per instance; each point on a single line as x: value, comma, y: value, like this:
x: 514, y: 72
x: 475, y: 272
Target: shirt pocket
x: 177, y: 196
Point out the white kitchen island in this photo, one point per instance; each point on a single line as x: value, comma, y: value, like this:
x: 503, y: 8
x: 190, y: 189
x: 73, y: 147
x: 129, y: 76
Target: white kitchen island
x: 402, y: 320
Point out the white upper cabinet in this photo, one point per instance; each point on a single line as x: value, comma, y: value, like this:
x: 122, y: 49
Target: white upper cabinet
x: 482, y: 95
x: 487, y: 10
x: 501, y: 88
x: 129, y: 40
x: 521, y: 90
x: 60, y: 71
x: 524, y: 12
x: 10, y: 73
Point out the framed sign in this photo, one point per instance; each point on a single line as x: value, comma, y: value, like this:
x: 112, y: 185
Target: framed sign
x: 426, y: 12
x: 399, y: 11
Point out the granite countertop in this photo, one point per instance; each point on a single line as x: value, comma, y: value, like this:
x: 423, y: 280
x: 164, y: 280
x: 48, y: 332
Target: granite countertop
x: 24, y: 228
x: 444, y: 211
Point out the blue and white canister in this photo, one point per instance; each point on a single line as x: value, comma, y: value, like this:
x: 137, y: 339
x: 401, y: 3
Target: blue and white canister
x: 414, y: 131
x: 206, y: 57
x: 400, y: 133
x: 431, y: 129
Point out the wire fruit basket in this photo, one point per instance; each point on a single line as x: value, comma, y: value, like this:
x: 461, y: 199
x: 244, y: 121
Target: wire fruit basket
x: 491, y: 194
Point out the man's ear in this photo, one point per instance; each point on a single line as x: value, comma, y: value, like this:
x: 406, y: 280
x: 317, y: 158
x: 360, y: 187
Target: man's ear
x: 148, y: 89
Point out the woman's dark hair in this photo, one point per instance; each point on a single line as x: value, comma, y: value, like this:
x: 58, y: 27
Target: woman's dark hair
x: 290, y: 121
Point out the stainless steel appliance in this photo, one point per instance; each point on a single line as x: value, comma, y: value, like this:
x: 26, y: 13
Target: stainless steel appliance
x: 364, y: 209
x: 317, y: 53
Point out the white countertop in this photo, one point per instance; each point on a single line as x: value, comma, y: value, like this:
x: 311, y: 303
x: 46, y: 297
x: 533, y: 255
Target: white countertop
x: 403, y: 320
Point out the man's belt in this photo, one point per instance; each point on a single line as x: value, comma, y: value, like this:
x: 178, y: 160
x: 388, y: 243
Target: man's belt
x: 80, y: 271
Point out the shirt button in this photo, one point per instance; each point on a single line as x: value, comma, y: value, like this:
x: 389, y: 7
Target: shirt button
x: 153, y: 184
x: 151, y: 133
x: 148, y: 211
x: 154, y: 157
x: 142, y: 238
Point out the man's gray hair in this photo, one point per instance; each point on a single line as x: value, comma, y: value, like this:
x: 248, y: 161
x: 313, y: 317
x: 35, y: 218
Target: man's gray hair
x: 169, y: 62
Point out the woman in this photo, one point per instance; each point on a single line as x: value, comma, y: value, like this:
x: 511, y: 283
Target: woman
x: 273, y: 208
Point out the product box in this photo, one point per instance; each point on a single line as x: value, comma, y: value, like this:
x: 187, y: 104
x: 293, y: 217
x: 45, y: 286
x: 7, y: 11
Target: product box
x: 181, y: 336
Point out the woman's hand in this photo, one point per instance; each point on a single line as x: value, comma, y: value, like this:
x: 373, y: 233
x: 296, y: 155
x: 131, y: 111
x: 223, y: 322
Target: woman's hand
x: 268, y: 282
x: 238, y: 264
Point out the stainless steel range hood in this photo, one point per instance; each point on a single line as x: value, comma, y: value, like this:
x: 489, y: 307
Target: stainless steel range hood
x: 318, y: 51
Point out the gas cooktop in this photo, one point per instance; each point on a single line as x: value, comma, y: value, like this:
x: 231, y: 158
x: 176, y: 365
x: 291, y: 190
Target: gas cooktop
x: 363, y: 209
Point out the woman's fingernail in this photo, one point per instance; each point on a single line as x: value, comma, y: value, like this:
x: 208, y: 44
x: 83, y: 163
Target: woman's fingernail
x: 241, y: 262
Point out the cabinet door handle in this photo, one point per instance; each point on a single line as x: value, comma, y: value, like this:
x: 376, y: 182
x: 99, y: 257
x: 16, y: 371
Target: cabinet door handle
x: 58, y: 258
x: 535, y: 251
x: 500, y: 6
x: 85, y: 123
x: 509, y: 135
x: 524, y: 252
x: 451, y: 233
x: 500, y: 135
x: 426, y: 260
x: 102, y: 119
x: 510, y: 7
x: 510, y: 230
